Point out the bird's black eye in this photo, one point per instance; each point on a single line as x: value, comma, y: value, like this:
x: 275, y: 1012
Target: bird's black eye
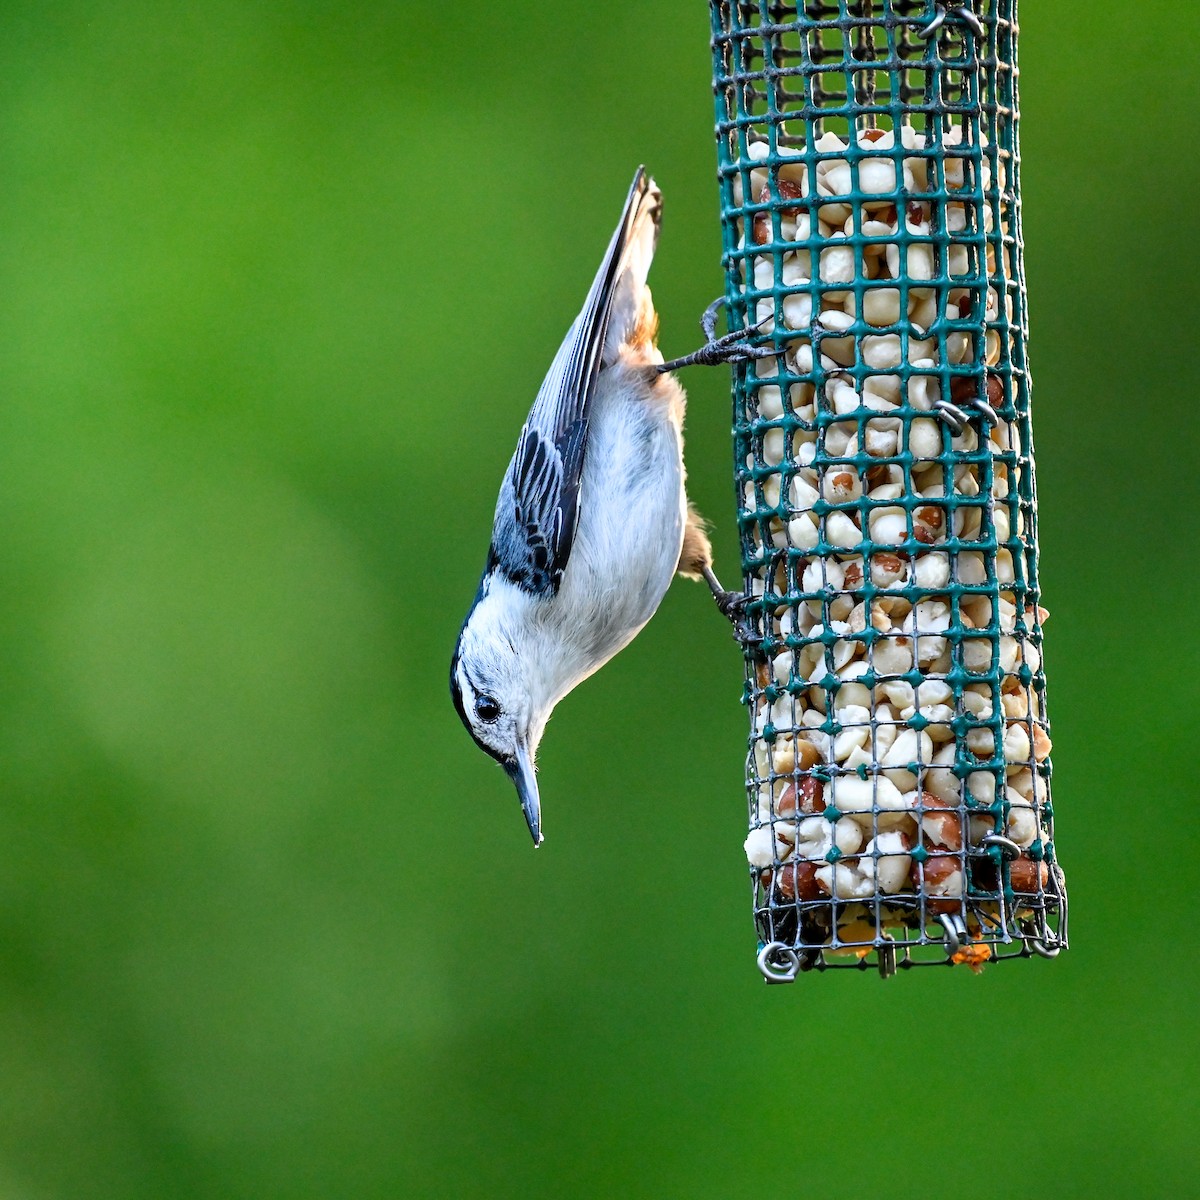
x: 487, y: 710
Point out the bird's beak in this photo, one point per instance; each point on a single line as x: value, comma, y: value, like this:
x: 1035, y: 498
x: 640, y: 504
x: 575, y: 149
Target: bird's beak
x: 521, y: 773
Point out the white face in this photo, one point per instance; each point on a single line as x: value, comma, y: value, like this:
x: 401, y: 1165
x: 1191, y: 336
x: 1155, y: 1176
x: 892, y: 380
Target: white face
x: 494, y: 706
x: 494, y: 680
x: 486, y: 705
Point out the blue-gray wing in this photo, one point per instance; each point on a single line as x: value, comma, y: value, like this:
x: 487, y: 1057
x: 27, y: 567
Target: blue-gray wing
x: 538, y: 507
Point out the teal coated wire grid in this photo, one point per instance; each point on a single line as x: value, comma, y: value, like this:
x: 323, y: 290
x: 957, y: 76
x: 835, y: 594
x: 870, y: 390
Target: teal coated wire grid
x: 899, y: 771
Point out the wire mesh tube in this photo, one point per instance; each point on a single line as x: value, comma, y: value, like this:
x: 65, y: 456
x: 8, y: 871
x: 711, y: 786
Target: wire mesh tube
x: 899, y: 772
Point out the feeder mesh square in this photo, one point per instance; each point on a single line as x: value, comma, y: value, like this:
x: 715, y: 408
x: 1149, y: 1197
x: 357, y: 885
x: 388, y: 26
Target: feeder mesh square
x: 898, y: 773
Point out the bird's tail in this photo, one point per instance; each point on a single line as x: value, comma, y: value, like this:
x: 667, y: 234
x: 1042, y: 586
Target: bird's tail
x: 617, y: 311
x: 632, y: 320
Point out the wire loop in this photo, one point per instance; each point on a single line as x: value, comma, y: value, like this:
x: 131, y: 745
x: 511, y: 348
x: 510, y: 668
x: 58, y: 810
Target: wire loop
x: 962, y: 12
x: 778, y: 963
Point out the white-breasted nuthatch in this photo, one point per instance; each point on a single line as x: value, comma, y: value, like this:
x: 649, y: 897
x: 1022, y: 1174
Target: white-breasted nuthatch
x: 592, y: 521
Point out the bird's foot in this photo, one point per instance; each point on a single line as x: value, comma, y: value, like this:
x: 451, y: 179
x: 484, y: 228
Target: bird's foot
x: 732, y: 347
x: 732, y: 606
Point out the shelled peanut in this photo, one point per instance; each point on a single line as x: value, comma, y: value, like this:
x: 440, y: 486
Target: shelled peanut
x: 898, y: 721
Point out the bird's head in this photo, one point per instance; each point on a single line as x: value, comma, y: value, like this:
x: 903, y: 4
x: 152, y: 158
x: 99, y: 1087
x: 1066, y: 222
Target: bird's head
x: 491, y: 689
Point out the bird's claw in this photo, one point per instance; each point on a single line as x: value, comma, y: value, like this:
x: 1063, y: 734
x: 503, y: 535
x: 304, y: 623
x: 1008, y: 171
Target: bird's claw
x: 731, y: 347
x: 708, y: 319
x: 744, y: 632
x: 732, y: 606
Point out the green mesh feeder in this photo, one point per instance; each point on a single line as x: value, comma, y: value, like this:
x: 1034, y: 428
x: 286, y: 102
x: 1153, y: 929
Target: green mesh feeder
x: 899, y: 772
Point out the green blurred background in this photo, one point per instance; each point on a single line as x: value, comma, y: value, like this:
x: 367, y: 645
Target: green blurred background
x: 278, y: 284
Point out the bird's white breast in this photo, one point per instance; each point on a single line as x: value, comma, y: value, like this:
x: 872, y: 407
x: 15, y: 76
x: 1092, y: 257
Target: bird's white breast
x: 631, y: 521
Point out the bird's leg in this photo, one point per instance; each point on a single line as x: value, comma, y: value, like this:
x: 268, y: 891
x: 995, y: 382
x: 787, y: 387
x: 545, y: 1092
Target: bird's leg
x: 731, y: 347
x: 732, y: 606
